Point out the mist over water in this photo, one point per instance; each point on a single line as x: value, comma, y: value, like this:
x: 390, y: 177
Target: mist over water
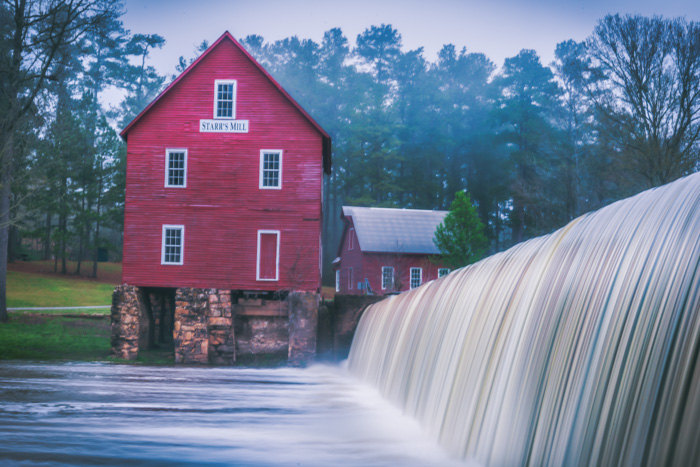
x: 106, y: 414
x: 579, y: 347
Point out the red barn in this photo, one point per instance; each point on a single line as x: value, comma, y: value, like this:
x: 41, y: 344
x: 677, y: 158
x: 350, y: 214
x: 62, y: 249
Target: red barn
x: 224, y: 178
x: 224, y: 183
x: 385, y: 250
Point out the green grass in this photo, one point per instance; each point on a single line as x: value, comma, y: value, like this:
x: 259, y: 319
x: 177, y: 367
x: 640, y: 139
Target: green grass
x: 34, y: 290
x: 83, y: 312
x: 32, y: 337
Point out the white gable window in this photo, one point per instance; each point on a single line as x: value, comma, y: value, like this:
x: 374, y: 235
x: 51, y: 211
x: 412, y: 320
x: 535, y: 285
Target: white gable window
x: 350, y: 279
x: 442, y: 272
x: 271, y: 169
x: 416, y: 277
x: 173, y: 244
x: 387, y: 277
x: 337, y: 280
x: 176, y: 168
x: 225, y: 98
x: 351, y: 239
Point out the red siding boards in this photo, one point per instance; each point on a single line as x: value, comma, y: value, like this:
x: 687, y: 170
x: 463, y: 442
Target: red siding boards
x: 222, y: 207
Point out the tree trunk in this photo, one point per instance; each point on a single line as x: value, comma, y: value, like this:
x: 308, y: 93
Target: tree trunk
x: 47, y: 237
x: 82, y: 232
x: 63, y: 228
x: 96, y: 255
x: 5, y: 192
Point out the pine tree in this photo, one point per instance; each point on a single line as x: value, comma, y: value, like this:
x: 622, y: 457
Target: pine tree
x: 461, y: 237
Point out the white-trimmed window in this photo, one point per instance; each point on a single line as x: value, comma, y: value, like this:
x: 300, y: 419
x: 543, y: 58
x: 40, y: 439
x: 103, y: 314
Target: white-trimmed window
x: 337, y: 280
x: 350, y: 279
x: 176, y: 168
x: 351, y: 239
x: 442, y: 272
x: 225, y: 98
x: 268, y: 263
x: 416, y: 277
x: 173, y: 244
x: 387, y: 277
x: 271, y: 169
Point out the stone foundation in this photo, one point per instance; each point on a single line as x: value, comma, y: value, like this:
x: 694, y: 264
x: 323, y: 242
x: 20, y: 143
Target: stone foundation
x: 129, y: 321
x: 214, y: 326
x: 190, y: 329
x: 303, y: 325
x: 222, y: 342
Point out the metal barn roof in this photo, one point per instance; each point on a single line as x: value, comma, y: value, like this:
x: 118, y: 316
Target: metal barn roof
x: 389, y: 230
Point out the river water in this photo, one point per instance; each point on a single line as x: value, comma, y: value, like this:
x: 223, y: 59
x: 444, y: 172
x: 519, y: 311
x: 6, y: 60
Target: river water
x: 108, y: 414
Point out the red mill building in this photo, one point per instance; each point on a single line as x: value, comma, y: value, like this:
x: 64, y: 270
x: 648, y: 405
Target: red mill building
x: 223, y: 213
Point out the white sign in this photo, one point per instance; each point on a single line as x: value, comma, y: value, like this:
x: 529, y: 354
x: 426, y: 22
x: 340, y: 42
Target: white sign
x: 223, y: 126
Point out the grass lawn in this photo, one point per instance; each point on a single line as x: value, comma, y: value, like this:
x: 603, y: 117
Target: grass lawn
x: 36, y: 290
x: 36, y: 337
x: 110, y: 273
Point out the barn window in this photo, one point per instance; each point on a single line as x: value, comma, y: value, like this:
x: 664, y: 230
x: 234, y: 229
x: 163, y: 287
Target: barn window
x: 387, y: 277
x: 443, y: 272
x: 351, y: 239
x: 270, y: 169
x: 176, y: 168
x: 350, y: 279
x: 337, y: 280
x: 173, y: 241
x: 268, y: 255
x: 225, y: 100
x: 416, y: 277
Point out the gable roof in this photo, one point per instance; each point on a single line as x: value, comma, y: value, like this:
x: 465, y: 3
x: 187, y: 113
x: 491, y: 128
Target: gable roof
x: 387, y: 230
x: 227, y: 36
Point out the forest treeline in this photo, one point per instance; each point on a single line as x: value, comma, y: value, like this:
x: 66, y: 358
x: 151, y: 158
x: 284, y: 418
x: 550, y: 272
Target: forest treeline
x: 534, y: 144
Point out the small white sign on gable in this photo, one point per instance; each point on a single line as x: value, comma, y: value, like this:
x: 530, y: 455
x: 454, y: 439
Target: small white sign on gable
x: 223, y: 126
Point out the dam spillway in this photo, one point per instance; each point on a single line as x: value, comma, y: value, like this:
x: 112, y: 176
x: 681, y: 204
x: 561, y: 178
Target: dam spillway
x: 578, y: 347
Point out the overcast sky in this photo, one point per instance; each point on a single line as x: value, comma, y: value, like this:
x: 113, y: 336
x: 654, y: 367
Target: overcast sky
x: 497, y: 28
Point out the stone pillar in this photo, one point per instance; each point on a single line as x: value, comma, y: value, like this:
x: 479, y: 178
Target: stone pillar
x: 222, y: 346
x: 303, y: 323
x: 129, y: 321
x: 190, y: 334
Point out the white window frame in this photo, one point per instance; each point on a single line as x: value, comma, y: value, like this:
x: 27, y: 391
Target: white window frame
x: 351, y: 239
x: 410, y: 277
x: 277, y: 257
x: 216, y: 97
x: 337, y: 280
x: 262, y: 165
x: 447, y: 271
x: 167, y: 168
x: 392, y: 277
x: 182, y: 245
x: 350, y: 279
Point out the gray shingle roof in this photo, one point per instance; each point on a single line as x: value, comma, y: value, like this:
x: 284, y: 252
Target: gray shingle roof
x: 395, y: 230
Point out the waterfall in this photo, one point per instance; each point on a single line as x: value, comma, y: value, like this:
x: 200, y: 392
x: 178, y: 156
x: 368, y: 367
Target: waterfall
x: 578, y: 347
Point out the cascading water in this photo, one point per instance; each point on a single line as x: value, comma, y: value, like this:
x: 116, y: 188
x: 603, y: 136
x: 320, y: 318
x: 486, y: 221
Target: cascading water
x: 579, y: 347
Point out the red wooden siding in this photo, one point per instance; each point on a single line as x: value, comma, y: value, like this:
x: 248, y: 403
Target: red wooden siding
x: 222, y: 207
x: 369, y: 266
